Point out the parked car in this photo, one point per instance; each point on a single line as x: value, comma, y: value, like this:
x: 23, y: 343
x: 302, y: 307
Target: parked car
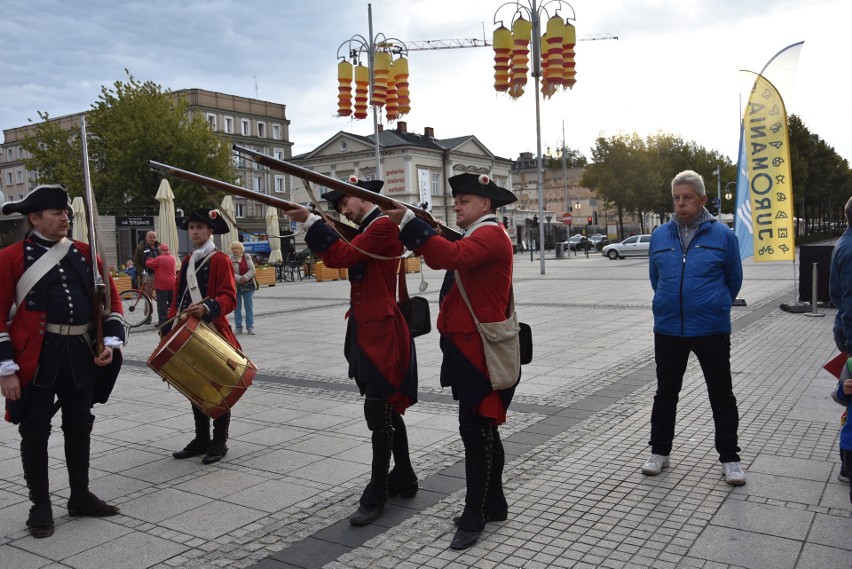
x: 578, y: 243
x: 599, y: 241
x: 637, y: 245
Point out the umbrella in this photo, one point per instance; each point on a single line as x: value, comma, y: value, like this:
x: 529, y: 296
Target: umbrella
x: 168, y: 222
x: 232, y: 235
x: 79, y: 231
x: 273, y: 231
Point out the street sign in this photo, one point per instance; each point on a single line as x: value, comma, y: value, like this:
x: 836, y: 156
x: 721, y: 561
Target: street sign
x: 567, y: 218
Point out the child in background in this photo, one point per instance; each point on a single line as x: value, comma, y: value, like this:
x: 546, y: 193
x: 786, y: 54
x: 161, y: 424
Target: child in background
x: 130, y: 271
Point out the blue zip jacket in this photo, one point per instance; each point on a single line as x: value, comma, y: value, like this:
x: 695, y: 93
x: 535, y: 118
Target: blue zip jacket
x: 694, y: 289
x: 840, y: 288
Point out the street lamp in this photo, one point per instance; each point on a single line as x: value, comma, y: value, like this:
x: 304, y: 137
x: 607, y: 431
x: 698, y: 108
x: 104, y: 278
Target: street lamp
x: 728, y: 194
x: 386, y: 78
x: 551, y: 70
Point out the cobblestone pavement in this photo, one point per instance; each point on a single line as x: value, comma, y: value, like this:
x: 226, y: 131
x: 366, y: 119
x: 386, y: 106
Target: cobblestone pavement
x: 576, y: 437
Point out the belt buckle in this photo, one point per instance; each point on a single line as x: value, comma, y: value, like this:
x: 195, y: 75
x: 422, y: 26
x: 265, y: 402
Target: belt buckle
x: 65, y: 329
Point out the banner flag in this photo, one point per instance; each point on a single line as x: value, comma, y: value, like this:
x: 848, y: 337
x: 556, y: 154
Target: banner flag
x: 767, y: 156
x: 743, y: 227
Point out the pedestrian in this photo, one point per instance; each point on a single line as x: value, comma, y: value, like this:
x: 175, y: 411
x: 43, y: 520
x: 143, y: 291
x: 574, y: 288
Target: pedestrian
x: 696, y: 273
x: 165, y: 271
x: 483, y: 259
x: 131, y: 272
x: 844, y: 395
x: 205, y: 289
x: 244, y: 277
x: 378, y: 344
x: 147, y: 249
x: 840, y: 291
x: 59, y: 362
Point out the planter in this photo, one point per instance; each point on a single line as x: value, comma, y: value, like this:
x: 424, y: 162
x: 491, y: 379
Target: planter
x: 122, y: 283
x: 265, y: 276
x: 412, y: 265
x: 323, y: 273
x: 344, y: 274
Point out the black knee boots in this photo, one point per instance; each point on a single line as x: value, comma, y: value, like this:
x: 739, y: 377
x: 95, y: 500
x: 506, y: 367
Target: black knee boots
x: 478, y: 467
x: 77, y: 449
x: 34, y: 461
x: 496, y: 507
x: 199, y: 444
x: 372, y: 502
x: 218, y: 449
x: 402, y: 481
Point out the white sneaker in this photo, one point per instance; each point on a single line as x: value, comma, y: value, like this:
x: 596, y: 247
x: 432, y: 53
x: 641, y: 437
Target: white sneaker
x: 655, y: 464
x: 734, y: 473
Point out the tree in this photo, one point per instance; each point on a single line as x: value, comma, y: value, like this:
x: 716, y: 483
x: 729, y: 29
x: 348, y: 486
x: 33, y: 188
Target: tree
x: 130, y: 124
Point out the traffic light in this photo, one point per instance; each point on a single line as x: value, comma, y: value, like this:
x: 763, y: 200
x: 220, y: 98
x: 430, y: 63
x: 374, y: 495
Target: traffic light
x: 589, y: 219
x: 595, y: 214
x: 713, y: 206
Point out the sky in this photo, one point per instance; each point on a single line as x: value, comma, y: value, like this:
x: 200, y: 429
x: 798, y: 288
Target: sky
x: 675, y: 67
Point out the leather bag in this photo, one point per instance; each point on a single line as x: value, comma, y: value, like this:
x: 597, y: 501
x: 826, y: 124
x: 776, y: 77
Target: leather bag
x: 414, y: 309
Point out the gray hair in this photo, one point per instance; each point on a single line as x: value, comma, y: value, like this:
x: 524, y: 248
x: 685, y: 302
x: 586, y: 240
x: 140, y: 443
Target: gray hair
x: 691, y: 178
x: 847, y: 211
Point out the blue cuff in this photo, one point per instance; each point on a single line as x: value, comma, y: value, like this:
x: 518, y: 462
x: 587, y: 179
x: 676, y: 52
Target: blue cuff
x: 416, y: 233
x: 320, y: 237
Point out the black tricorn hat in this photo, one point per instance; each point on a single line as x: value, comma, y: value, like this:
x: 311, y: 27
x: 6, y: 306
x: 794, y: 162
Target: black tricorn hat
x: 481, y: 185
x: 372, y: 185
x: 211, y: 217
x: 48, y: 196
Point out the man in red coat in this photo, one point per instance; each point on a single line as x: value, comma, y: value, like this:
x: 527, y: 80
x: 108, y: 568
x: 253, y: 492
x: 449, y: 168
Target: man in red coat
x: 47, y: 352
x: 206, y: 274
x: 378, y: 347
x: 164, y: 269
x: 483, y: 259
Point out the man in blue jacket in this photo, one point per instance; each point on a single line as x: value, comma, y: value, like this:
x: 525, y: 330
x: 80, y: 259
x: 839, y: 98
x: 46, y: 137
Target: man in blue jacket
x: 696, y: 273
x: 840, y: 290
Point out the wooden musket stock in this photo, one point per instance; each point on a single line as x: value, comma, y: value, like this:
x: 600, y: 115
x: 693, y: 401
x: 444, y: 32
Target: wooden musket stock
x: 348, y: 189
x: 345, y: 230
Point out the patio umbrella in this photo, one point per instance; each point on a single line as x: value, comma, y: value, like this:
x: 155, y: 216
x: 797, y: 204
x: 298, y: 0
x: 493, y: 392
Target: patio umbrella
x: 232, y: 235
x: 168, y: 223
x: 273, y: 231
x: 79, y: 231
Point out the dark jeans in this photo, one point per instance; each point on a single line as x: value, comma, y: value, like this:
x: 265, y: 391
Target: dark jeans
x: 847, y: 461
x: 714, y: 354
x: 164, y: 300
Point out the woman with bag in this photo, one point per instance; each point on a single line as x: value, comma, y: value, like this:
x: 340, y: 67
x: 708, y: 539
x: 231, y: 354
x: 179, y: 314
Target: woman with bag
x: 482, y: 261
x: 244, y: 277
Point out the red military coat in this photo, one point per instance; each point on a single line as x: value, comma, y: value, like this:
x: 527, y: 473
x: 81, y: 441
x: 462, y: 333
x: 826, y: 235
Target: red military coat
x: 484, y: 260
x: 216, y: 281
x: 381, y: 332
x: 22, y: 340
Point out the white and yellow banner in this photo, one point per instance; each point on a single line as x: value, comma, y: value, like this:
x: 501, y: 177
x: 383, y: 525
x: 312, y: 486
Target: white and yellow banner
x: 767, y: 155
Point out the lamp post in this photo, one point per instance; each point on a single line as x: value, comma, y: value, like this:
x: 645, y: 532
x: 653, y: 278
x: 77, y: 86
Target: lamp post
x: 718, y: 173
x: 560, y: 39
x: 389, y: 90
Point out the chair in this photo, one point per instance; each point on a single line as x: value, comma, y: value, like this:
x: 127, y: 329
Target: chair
x: 294, y: 267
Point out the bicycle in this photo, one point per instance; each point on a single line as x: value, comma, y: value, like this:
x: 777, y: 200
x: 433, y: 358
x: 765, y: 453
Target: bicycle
x: 137, y: 304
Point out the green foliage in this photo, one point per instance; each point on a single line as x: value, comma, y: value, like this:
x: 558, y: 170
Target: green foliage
x: 131, y: 123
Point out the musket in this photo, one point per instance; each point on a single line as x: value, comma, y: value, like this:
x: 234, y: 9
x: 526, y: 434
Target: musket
x: 345, y: 230
x: 348, y: 189
x: 100, y: 291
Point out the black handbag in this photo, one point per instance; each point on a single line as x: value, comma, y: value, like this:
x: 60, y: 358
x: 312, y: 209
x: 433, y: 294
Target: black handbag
x: 415, y: 309
x: 526, y: 343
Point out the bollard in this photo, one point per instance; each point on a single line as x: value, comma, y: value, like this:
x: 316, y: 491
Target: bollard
x: 814, y: 301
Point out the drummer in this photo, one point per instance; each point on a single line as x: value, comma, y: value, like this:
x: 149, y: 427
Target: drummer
x: 205, y: 289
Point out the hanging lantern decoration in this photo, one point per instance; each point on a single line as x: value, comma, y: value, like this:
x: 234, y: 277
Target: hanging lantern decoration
x: 502, y: 42
x: 391, y: 101
x: 552, y: 46
x: 362, y: 87
x: 568, y: 43
x: 381, y: 70
x: 521, y: 32
x: 344, y: 88
x: 403, y: 97
x: 548, y: 88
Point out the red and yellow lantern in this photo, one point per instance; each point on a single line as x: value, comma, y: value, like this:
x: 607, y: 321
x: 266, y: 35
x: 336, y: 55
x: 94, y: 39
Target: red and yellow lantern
x: 502, y: 42
x: 362, y: 88
x: 391, y: 101
x: 344, y: 88
x: 548, y: 88
x: 381, y: 69
x: 568, y: 43
x: 403, y: 97
x: 521, y: 32
x: 551, y: 50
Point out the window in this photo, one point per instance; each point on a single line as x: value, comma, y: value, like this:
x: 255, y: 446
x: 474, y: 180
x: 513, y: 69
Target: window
x: 211, y: 120
x: 246, y: 127
x: 261, y: 130
x: 276, y: 132
x: 279, y: 184
x: 436, y: 185
x: 278, y: 154
x: 229, y: 125
x: 19, y: 176
x: 631, y: 240
x: 9, y: 178
x: 240, y: 210
x: 257, y: 184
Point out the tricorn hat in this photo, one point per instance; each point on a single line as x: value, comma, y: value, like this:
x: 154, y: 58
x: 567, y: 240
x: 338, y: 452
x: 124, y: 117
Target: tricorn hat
x: 211, y: 217
x: 481, y: 185
x: 48, y: 196
x: 372, y: 185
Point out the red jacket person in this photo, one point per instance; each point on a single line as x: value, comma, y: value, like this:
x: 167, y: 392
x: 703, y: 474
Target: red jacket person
x: 378, y: 347
x: 47, y: 352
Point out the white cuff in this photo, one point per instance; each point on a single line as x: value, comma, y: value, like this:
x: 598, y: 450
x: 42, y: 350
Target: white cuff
x: 113, y: 342
x: 312, y: 218
x: 409, y: 215
x: 8, y: 367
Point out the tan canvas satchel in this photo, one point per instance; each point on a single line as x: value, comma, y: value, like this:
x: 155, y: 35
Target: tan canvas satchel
x: 500, y: 343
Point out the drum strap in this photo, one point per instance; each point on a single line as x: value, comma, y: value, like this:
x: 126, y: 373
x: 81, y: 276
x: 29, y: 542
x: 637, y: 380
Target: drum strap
x: 192, y: 278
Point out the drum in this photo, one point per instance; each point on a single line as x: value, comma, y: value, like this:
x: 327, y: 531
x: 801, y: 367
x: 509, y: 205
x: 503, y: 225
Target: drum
x: 199, y: 363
